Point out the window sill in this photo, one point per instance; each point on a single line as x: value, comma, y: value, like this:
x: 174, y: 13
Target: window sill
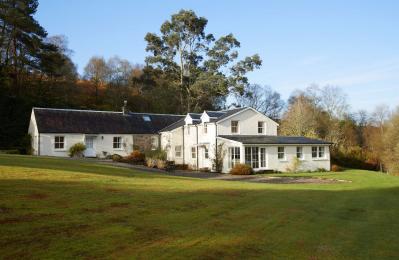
x: 283, y: 160
x: 319, y: 159
x: 118, y: 149
x: 60, y: 150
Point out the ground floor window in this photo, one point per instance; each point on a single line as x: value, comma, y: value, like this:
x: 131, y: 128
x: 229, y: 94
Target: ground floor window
x: 281, y: 152
x: 117, y: 142
x: 206, y: 153
x: 299, y: 152
x: 318, y: 152
x: 252, y: 156
x: 154, y: 142
x: 59, y: 142
x: 263, y: 157
x: 234, y: 156
x: 193, y: 152
x: 178, y: 151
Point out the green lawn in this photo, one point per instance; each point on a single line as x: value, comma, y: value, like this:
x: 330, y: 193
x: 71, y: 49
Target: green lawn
x: 55, y: 208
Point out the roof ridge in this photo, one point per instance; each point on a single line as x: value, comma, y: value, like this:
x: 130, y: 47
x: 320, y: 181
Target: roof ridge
x: 80, y: 110
x: 102, y: 111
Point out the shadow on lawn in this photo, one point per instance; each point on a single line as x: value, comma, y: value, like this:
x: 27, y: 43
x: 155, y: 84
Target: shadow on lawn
x: 88, y: 220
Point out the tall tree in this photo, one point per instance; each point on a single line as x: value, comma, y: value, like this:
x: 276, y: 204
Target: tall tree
x: 200, y: 66
x: 21, y: 37
x: 97, y: 71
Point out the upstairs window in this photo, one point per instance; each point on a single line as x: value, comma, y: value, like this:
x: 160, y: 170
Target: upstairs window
x: 299, y: 152
x: 117, y: 142
x: 193, y: 152
x: 234, y: 127
x: 59, y: 142
x: 205, y: 128
x: 188, y: 129
x: 261, y: 127
x: 281, y: 153
x: 178, y: 151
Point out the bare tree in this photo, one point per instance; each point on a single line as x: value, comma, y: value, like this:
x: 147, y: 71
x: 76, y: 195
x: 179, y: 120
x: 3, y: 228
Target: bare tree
x: 263, y: 99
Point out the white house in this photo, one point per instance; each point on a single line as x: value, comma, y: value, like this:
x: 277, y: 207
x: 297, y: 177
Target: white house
x: 246, y: 136
x: 242, y: 135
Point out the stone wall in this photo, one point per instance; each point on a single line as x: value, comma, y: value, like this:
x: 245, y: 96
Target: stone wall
x: 144, y: 142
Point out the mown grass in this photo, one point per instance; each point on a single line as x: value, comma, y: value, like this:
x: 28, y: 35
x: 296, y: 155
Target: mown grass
x: 57, y: 208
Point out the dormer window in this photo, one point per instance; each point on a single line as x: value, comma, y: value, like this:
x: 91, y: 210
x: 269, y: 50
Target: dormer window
x: 205, y: 128
x: 261, y: 127
x: 234, y: 127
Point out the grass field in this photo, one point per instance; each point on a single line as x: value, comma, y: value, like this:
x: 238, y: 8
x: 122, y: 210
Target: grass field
x: 55, y: 208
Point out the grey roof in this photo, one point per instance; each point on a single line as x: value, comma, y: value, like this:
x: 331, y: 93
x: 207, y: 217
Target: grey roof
x: 230, y: 112
x: 215, y: 113
x: 100, y: 122
x: 195, y: 116
x: 268, y: 139
x: 173, y: 126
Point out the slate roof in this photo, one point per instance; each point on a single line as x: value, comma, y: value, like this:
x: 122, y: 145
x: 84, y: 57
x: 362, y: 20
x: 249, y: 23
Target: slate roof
x: 195, y: 116
x: 230, y: 112
x: 173, y: 126
x: 268, y: 139
x: 100, y: 122
x: 215, y: 113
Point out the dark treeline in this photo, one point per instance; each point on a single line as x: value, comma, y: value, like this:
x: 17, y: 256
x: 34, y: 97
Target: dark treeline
x: 187, y: 69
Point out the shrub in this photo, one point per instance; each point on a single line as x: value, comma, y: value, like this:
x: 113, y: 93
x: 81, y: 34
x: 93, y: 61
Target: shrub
x: 161, y: 164
x: 157, y: 154
x: 136, y: 157
x: 321, y: 170
x: 336, y: 168
x: 151, y: 162
x: 241, y: 169
x: 116, y: 158
x: 77, y: 150
x: 295, y: 165
x: 25, y: 145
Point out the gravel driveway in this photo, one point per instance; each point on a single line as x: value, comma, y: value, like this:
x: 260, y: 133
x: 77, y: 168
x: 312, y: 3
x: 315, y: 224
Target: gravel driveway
x: 257, y: 178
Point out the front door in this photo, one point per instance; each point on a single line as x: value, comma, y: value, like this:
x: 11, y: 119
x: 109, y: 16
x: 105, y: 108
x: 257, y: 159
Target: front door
x: 89, y: 142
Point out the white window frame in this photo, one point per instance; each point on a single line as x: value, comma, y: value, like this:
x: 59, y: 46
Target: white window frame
x: 59, y: 142
x: 193, y: 152
x: 205, y: 128
x: 206, y: 153
x: 188, y: 129
x: 154, y: 142
x: 299, y: 151
x: 178, y: 151
x: 234, y: 156
x: 279, y: 153
x: 118, y: 143
x: 262, y: 161
x: 261, y: 127
x: 236, y: 127
x: 320, y: 152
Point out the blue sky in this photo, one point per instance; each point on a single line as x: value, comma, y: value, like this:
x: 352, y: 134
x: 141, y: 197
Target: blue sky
x: 350, y: 44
